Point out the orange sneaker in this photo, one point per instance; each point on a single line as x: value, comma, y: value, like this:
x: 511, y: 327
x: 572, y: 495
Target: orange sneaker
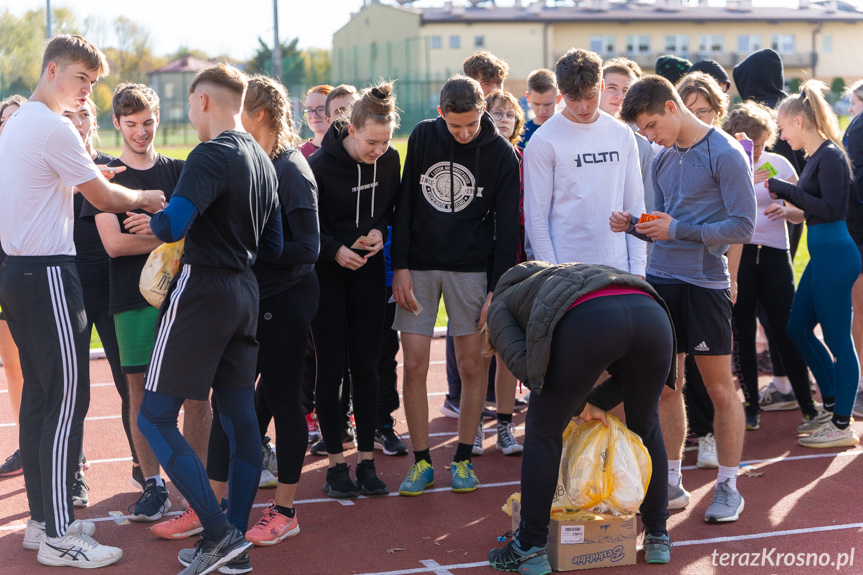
x: 273, y: 527
x: 184, y: 525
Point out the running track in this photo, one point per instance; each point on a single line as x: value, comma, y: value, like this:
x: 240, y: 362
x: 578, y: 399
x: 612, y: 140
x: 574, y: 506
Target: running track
x: 806, y: 501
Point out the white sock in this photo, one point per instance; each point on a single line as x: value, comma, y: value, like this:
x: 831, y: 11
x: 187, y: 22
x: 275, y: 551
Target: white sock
x: 674, y: 475
x: 157, y: 478
x: 729, y: 473
x: 782, y: 383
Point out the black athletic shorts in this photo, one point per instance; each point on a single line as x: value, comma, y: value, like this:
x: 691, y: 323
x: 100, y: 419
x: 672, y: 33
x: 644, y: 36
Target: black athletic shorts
x: 701, y: 316
x: 205, y: 335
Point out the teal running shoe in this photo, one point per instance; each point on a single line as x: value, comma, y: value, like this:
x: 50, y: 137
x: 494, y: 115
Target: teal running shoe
x: 420, y: 476
x: 657, y: 548
x: 463, y: 478
x: 512, y: 557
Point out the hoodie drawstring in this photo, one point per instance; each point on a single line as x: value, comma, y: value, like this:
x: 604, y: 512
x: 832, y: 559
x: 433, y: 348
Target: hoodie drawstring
x: 360, y: 189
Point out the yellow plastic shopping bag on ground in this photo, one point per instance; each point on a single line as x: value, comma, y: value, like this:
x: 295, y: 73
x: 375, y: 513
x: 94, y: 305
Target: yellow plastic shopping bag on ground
x: 161, y: 267
x: 603, y: 469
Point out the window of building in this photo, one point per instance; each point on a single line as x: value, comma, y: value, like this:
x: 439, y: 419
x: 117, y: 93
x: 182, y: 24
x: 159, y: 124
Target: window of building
x: 636, y: 44
x: 479, y: 41
x: 677, y: 43
x: 603, y: 45
x: 435, y: 42
x: 455, y: 42
x: 169, y: 90
x: 827, y: 43
x: 710, y: 43
x: 783, y: 43
x: 748, y: 43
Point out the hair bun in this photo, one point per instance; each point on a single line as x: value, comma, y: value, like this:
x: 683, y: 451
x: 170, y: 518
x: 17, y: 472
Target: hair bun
x: 377, y: 93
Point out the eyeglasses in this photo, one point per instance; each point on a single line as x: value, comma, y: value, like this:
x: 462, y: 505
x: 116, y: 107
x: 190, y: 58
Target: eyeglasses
x: 317, y: 112
x: 499, y: 115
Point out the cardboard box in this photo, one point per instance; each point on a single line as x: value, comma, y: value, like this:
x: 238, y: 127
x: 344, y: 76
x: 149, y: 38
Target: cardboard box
x: 577, y: 545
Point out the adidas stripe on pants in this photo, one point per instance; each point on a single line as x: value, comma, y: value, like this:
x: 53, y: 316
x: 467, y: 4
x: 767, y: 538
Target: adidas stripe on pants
x: 43, y: 304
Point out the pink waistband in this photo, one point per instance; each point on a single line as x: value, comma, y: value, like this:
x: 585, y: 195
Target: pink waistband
x: 612, y: 289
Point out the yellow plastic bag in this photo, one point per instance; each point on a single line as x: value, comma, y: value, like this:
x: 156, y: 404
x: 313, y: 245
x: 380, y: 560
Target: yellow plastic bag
x: 603, y: 469
x: 161, y: 267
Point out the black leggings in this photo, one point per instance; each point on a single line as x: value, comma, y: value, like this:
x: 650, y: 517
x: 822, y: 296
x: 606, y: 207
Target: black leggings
x: 351, y: 313
x: 283, y: 332
x: 765, y: 275
x: 630, y: 336
x: 96, y: 305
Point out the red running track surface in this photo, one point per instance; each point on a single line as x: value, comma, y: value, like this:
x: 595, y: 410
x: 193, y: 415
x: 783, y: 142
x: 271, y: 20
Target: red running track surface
x: 805, y: 501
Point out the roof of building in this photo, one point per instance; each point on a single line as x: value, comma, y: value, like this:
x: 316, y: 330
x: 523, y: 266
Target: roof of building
x: 660, y: 11
x: 184, y: 64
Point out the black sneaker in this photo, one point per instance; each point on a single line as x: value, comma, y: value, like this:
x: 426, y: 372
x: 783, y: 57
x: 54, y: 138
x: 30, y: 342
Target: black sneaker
x: 212, y: 555
x: 339, y: 484
x: 13, y: 465
x: 388, y: 441
x: 137, y: 479
x: 367, y: 481
x: 80, y: 491
x: 152, y: 503
x: 239, y: 565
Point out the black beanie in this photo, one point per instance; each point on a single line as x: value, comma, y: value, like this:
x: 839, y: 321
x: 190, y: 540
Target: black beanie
x: 672, y: 68
x: 712, y: 68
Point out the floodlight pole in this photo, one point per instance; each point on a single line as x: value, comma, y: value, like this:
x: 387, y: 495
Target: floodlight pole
x: 277, y: 45
x: 48, y: 19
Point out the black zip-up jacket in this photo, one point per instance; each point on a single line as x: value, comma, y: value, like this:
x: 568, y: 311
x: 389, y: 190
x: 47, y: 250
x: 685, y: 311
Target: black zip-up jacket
x: 458, y: 203
x: 353, y: 198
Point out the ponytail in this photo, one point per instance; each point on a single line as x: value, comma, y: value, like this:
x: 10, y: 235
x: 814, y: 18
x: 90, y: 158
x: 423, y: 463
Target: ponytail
x: 811, y: 105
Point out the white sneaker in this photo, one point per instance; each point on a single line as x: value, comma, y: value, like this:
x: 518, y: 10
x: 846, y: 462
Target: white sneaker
x: 76, y: 549
x: 828, y: 435
x: 707, y: 452
x: 477, y: 441
x: 810, y: 425
x: 268, y: 480
x: 35, y: 532
x: 506, y: 441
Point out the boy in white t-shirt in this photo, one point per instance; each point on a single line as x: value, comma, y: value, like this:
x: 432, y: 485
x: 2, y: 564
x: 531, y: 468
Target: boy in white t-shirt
x: 42, y: 159
x: 580, y: 167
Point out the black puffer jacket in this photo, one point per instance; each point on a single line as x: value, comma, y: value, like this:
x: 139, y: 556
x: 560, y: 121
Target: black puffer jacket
x: 532, y: 297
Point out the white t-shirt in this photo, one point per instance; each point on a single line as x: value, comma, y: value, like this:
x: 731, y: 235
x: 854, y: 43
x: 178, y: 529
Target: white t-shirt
x: 575, y: 175
x: 773, y: 234
x: 42, y: 158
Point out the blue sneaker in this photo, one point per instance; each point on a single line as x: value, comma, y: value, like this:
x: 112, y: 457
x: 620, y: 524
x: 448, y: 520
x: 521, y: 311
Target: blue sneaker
x: 420, y: 476
x: 657, y: 548
x: 463, y: 478
x: 152, y: 503
x: 512, y: 557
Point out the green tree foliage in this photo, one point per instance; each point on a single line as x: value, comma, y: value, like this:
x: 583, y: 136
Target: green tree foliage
x: 293, y: 63
x: 22, y: 41
x: 318, y: 66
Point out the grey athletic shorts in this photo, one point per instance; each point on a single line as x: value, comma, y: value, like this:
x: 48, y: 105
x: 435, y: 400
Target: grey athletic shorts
x: 464, y: 294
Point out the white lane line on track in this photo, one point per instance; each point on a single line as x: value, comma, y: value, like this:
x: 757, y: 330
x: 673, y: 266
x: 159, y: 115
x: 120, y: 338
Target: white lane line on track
x: 347, y: 502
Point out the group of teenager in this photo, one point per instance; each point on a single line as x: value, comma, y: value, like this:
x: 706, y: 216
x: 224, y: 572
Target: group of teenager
x: 543, y: 238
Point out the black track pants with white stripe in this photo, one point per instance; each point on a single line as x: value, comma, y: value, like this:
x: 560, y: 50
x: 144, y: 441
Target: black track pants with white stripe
x: 43, y: 304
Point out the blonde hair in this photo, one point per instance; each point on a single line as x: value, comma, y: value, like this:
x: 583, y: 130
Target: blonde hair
x: 265, y: 93
x: 376, y: 104
x: 754, y: 120
x: 816, y: 112
x: 699, y: 83
x: 500, y: 97
x: 224, y: 76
